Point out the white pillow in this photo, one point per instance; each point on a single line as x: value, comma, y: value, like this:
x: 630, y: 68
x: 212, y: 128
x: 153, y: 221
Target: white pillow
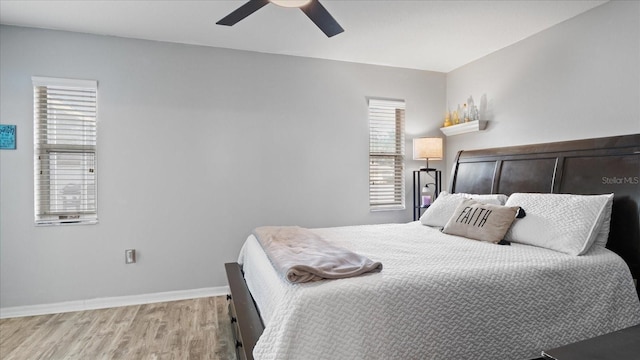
x: 441, y: 210
x: 492, y: 199
x: 562, y: 222
x: 603, y: 235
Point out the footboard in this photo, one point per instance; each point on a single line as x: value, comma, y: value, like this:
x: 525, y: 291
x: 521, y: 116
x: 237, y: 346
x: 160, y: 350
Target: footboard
x: 245, y: 319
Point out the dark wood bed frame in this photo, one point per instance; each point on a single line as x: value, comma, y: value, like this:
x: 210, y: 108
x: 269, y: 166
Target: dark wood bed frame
x: 591, y: 166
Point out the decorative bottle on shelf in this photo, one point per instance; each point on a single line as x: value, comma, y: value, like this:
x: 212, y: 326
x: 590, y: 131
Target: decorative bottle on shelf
x: 447, y: 119
x: 466, y: 113
x: 473, y: 109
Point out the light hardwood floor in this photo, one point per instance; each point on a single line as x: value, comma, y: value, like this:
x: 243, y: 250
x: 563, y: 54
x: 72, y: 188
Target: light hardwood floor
x: 187, y: 329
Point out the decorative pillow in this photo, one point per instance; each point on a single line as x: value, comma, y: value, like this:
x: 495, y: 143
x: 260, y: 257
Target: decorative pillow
x: 441, y: 210
x: 562, y: 222
x: 479, y: 221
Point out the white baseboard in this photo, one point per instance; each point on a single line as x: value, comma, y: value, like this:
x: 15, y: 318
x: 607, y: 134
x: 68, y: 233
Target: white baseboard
x: 102, y: 303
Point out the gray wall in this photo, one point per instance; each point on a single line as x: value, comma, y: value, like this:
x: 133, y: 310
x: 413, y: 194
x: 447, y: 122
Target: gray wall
x: 200, y: 145
x: 579, y: 79
x: 197, y: 146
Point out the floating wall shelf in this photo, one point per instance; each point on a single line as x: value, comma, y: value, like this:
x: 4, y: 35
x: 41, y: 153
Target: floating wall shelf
x: 464, y: 128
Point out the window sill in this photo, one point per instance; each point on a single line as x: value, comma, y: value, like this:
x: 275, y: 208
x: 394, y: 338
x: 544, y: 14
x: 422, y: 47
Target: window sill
x: 65, y: 223
x: 388, y: 208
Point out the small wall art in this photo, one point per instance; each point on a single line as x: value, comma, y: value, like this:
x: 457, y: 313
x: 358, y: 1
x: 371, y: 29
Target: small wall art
x: 7, y: 137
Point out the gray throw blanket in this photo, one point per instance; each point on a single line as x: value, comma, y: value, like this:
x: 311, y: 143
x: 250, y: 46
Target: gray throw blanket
x: 300, y: 255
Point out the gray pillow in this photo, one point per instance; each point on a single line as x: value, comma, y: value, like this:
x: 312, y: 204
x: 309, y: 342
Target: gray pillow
x: 480, y: 221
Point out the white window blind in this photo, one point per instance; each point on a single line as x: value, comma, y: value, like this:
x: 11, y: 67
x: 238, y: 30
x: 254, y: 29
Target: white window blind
x: 386, y: 154
x: 65, y: 134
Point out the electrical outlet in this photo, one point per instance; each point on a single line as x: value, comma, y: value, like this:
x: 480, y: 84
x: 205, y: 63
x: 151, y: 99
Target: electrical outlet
x: 129, y: 256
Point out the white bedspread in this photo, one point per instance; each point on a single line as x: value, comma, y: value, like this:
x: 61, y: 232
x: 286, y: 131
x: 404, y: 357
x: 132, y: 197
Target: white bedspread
x: 439, y: 297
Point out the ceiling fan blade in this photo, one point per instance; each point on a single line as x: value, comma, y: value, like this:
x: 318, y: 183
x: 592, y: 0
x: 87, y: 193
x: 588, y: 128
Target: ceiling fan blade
x: 321, y: 17
x: 242, y: 12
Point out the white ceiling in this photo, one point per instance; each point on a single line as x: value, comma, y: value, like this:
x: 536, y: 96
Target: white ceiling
x: 428, y: 35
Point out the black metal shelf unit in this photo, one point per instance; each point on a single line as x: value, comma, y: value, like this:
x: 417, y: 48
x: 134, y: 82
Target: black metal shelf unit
x: 417, y: 188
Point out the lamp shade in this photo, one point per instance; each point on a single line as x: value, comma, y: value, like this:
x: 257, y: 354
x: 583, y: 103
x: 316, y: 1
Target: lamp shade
x: 427, y: 148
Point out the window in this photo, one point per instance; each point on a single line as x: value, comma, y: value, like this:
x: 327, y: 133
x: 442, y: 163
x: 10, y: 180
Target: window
x: 65, y: 132
x: 386, y: 155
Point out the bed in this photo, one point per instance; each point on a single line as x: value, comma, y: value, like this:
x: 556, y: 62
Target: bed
x: 446, y: 297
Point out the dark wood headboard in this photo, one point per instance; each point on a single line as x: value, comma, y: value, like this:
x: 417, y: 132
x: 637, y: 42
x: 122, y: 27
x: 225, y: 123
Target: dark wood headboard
x: 591, y: 166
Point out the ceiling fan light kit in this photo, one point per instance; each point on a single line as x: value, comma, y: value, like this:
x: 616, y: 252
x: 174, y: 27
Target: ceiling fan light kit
x: 312, y: 8
x: 291, y: 3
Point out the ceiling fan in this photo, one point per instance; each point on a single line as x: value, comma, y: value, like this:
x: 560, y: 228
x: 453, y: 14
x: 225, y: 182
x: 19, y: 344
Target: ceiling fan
x: 314, y: 10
